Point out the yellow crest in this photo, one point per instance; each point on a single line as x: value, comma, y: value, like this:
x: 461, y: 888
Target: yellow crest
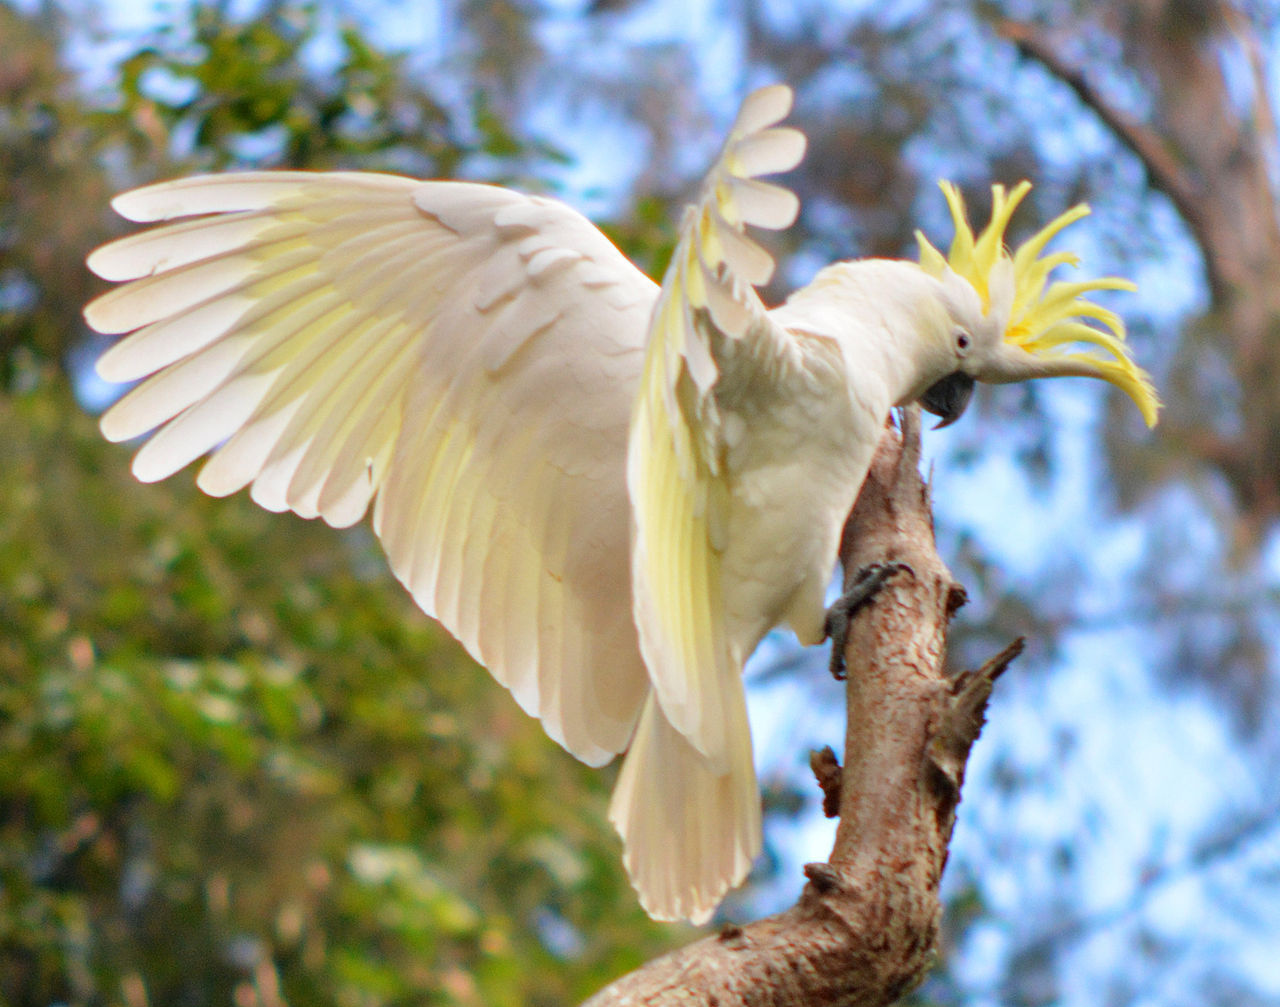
x: 1038, y: 320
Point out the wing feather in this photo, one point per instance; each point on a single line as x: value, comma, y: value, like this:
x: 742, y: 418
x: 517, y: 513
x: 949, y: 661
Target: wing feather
x: 676, y: 473
x: 166, y: 249
x: 691, y: 833
x: 160, y: 344
x: 155, y: 298
x: 764, y: 204
x: 307, y: 382
x: 231, y: 193
x: 461, y: 356
x: 769, y: 151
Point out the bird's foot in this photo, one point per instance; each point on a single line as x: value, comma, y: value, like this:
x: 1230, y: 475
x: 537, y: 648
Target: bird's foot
x: 866, y: 585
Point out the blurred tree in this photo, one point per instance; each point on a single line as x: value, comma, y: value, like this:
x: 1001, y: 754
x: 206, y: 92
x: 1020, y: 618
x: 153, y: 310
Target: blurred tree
x: 213, y: 723
x: 49, y: 143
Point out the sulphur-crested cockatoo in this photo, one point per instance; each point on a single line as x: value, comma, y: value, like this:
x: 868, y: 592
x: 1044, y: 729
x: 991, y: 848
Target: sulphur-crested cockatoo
x: 607, y: 490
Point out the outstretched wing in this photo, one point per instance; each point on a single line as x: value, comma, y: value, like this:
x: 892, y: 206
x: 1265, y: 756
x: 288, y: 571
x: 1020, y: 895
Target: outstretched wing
x: 676, y: 474
x: 465, y: 355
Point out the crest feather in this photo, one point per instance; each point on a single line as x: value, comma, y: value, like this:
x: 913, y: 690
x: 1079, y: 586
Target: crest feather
x: 1042, y: 317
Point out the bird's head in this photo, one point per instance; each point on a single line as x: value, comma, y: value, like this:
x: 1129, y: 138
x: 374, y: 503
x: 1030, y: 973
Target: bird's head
x: 1008, y: 323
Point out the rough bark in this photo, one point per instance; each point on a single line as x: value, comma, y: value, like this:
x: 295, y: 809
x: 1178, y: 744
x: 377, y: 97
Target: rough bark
x: 864, y: 927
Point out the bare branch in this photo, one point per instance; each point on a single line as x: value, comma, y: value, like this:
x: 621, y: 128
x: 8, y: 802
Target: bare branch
x: 826, y: 769
x: 965, y: 717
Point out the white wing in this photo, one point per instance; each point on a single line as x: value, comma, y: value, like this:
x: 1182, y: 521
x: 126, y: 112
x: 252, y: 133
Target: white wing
x: 464, y: 354
x: 676, y: 474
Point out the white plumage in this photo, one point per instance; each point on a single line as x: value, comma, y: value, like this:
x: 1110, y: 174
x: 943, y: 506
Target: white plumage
x: 607, y: 490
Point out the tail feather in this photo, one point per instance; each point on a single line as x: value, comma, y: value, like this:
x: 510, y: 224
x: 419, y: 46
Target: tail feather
x: 689, y: 833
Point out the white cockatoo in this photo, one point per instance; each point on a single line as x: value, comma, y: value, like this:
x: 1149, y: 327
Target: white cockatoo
x: 607, y: 490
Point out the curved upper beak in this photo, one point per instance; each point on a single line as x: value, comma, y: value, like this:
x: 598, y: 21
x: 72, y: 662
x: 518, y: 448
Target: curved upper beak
x: 947, y: 398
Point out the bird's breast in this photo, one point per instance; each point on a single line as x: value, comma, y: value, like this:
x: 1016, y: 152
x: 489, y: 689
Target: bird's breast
x: 794, y: 469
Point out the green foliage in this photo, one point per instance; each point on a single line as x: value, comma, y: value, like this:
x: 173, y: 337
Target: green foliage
x: 49, y: 144
x: 228, y: 759
x: 225, y: 91
x: 649, y: 236
x: 237, y: 765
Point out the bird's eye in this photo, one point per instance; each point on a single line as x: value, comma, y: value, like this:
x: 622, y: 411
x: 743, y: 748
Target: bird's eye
x: 962, y: 340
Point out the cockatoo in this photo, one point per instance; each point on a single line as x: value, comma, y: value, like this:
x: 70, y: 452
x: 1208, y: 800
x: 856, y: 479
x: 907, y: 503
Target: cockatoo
x: 606, y: 489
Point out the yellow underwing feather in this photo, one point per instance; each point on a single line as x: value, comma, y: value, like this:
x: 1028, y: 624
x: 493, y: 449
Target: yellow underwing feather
x: 676, y: 474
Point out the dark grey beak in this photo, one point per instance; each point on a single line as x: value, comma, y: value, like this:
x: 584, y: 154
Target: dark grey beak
x: 947, y: 398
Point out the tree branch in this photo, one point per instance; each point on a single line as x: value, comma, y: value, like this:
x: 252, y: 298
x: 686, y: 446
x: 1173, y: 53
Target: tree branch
x: 864, y: 927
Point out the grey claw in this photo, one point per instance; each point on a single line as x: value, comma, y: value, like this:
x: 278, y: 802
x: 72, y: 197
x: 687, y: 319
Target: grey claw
x: 866, y: 585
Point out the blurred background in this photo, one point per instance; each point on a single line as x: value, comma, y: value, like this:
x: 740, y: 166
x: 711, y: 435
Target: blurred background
x: 237, y: 766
